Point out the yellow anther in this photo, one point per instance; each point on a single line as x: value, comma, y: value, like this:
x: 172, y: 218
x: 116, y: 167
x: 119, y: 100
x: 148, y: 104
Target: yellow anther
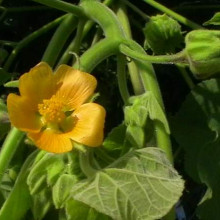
x: 52, y: 109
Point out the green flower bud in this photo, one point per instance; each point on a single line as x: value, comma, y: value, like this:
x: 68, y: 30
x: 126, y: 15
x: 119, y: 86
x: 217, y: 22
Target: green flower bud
x: 203, y: 52
x: 163, y: 34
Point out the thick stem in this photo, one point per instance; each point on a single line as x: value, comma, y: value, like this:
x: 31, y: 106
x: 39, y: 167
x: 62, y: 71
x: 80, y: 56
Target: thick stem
x: 96, y: 54
x: 12, y: 142
x: 104, y: 17
x: 122, y: 81
x: 85, y: 163
x: 133, y: 70
x: 71, y: 48
x: 59, y: 39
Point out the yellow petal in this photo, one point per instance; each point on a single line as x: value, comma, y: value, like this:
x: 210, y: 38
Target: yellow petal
x: 51, y: 141
x: 89, y: 125
x: 75, y: 86
x: 23, y: 114
x: 38, y: 83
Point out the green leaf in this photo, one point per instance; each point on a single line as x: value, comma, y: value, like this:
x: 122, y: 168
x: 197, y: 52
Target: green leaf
x: 215, y: 20
x: 136, y: 136
x: 209, y: 172
x: 19, y: 200
x: 76, y: 210
x: 12, y: 84
x: 115, y: 138
x: 140, y: 185
x: 45, y: 172
x: 195, y: 122
x: 62, y: 188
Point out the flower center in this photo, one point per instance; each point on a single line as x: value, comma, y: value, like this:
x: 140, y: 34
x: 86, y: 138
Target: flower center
x: 52, y: 110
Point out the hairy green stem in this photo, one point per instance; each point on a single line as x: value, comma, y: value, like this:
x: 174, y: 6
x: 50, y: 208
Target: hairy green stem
x: 74, y: 45
x: 63, y: 6
x: 122, y: 81
x: 136, y: 9
x: 133, y: 70
x: 101, y: 14
x: 96, y: 54
x: 59, y: 39
x: 27, y: 40
x: 173, y: 14
x: 163, y: 59
x: 85, y: 163
x: 67, y: 55
x: 12, y: 142
x: 185, y: 76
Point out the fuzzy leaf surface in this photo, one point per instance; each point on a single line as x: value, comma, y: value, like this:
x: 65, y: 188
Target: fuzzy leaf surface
x: 140, y: 185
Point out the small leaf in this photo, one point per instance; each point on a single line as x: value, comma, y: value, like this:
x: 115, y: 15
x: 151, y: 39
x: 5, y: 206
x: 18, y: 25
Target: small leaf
x: 12, y: 84
x: 62, y: 188
x: 115, y: 138
x: 140, y: 185
x: 215, y: 20
x: 136, y: 136
x: 144, y: 106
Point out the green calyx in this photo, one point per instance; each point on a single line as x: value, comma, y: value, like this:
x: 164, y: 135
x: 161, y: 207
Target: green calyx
x: 163, y: 34
x: 203, y: 52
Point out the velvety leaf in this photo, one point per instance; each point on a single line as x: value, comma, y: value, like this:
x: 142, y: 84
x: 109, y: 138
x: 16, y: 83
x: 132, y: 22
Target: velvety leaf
x: 45, y: 172
x: 215, y: 20
x: 140, y: 185
x: 143, y: 108
x: 41, y: 204
x: 62, y: 188
x: 136, y: 136
x: 195, y: 124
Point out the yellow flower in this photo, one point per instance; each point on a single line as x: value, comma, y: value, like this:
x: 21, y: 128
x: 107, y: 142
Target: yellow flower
x: 52, y: 108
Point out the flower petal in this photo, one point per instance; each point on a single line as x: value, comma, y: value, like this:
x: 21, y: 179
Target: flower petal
x: 23, y: 114
x: 89, y: 126
x: 38, y: 83
x: 75, y: 86
x: 51, y: 141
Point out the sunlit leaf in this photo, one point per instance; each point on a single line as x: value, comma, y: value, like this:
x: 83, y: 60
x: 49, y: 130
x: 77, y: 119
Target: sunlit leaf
x: 140, y: 185
x: 215, y: 20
